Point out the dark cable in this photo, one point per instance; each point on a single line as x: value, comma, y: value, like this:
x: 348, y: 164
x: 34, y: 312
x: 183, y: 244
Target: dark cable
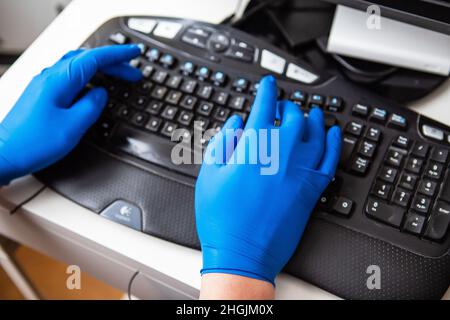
x: 130, y: 283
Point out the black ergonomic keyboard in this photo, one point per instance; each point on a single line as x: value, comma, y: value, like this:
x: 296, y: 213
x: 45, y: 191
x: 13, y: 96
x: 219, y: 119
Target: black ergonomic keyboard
x: 389, y: 204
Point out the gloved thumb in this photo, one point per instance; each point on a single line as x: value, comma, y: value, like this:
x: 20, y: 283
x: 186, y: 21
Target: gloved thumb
x: 85, y: 112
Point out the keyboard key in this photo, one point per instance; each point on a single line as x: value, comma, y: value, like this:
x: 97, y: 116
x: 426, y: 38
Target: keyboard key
x: 220, y: 97
x: 159, y: 92
x: 201, y: 123
x: 219, y: 78
x: 188, y: 102
x: 217, y: 126
x: 153, y: 55
x: 373, y: 134
x: 221, y: 114
x: 402, y: 142
x: 188, y: 86
x: 205, y: 91
x: 335, y: 104
x: 140, y: 102
x: 367, y: 149
x: 354, y: 128
x: 434, y: 170
x: 240, y: 84
x: 174, y: 97
x: 378, y: 115
x: 348, y: 146
x: 203, y: 73
x: 439, y: 222
x: 240, y: 54
x: 169, y: 112
x: 401, y: 198
x: 397, y: 122
x: 154, y: 107
x: 408, y: 181
x: 298, y: 96
x: 420, y: 149
x: 185, y: 118
x: 168, y: 129
x: 382, y: 190
x: 414, y: 165
x: 394, y: 157
x: 384, y: 212
x: 237, y: 102
x: 388, y: 174
x: 360, y: 166
x: 135, y: 63
x: 439, y: 155
x: 174, y: 81
x: 153, y: 124
x: 421, y: 204
x: 125, y: 94
x: 316, y: 99
x: 118, y: 38
x: 432, y: 132
x: 147, y: 71
x: 414, y: 223
x: 342, y: 206
x: 145, y: 87
x: 139, y: 118
x: 360, y: 110
x: 187, y: 68
x: 428, y: 187
x: 160, y: 76
x: 205, y: 108
x: 124, y: 112
x: 167, y: 60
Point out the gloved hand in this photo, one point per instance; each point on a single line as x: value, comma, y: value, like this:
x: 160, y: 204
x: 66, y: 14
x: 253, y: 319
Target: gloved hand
x: 249, y: 224
x: 45, y: 123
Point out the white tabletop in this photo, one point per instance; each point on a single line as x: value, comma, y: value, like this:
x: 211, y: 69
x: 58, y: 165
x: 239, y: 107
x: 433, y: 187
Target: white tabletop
x: 49, y: 215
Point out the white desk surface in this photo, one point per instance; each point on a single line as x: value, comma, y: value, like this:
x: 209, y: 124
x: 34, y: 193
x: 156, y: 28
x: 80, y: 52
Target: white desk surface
x: 49, y: 220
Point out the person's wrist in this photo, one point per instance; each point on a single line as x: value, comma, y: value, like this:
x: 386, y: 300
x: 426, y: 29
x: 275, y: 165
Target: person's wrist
x: 227, y: 261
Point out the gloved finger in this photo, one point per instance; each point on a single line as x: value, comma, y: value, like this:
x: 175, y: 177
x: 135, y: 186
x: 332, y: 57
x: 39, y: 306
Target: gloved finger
x: 293, y: 122
x: 265, y: 105
x: 222, y: 145
x: 332, y: 153
x: 123, y: 71
x: 87, y: 109
x: 72, y: 54
x: 315, y: 127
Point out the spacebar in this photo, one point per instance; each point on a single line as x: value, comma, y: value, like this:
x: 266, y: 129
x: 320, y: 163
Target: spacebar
x: 149, y: 147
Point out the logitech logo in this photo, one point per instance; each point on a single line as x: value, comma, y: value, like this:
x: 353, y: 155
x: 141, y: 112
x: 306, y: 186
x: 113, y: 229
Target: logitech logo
x: 373, y: 21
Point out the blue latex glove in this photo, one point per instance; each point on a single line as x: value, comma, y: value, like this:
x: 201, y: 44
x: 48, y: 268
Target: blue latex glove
x: 250, y: 224
x: 45, y: 123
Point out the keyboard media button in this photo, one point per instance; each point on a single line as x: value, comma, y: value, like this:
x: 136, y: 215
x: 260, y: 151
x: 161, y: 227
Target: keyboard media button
x: 342, y: 206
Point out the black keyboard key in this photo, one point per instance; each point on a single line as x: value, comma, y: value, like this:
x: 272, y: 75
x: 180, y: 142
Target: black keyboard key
x: 203, y: 73
x: 408, y: 181
x: 147, y: 71
x: 354, y: 128
x: 397, y: 122
x: 421, y: 204
x: 360, y: 110
x: 414, y: 223
x: 382, y: 190
x: 439, y: 222
x: 118, y: 38
x: 124, y: 112
x: 205, y: 108
x: 201, y: 123
x: 388, y: 174
x: 218, y: 78
x: 401, y: 198
x: 439, y: 155
x: 168, y: 129
x: 348, y: 146
x: 188, y: 86
x: 428, y: 187
x: 188, y: 102
x: 140, y: 102
x: 240, y: 84
x: 187, y: 68
x: 414, y: 165
x: 160, y: 76
x: 174, y: 81
x: 394, y: 157
x: 237, y: 102
x: 174, y: 97
x: 342, y: 206
x: 402, y: 142
x: 159, y: 92
x: 335, y: 104
x: 153, y: 124
x: 145, y: 87
x: 185, y: 118
x: 360, y: 166
x: 378, y: 115
x: 316, y: 99
x: 205, y: 91
x: 221, y: 114
x: 125, y: 94
x: 420, y: 149
x: 153, y: 55
x: 139, y: 118
x: 167, y: 60
x: 149, y: 147
x: 384, y: 212
x: 220, y: 97
x: 367, y: 149
x: 434, y: 170
x: 154, y: 107
x: 169, y: 112
x: 218, y: 125
x: 373, y: 134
